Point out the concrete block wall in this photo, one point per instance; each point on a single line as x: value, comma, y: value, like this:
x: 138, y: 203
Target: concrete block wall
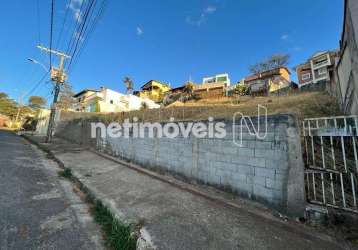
x: 269, y: 170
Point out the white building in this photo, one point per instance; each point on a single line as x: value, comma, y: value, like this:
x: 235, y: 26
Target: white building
x: 107, y: 100
x: 103, y: 100
x: 317, y: 69
x: 220, y: 78
x: 132, y: 102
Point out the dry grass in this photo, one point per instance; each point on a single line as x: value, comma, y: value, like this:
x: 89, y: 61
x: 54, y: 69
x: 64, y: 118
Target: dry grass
x: 305, y: 105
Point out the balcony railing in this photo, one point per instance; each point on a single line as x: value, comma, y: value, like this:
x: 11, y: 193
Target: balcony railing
x: 320, y: 64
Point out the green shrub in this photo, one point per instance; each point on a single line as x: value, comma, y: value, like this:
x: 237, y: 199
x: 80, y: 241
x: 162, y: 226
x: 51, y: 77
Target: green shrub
x: 66, y: 173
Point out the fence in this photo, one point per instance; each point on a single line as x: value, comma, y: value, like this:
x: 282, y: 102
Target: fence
x: 331, y: 165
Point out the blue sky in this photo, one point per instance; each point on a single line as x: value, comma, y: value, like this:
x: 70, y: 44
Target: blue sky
x: 167, y: 40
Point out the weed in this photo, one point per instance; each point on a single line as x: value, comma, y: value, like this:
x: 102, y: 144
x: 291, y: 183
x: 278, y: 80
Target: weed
x: 66, y: 173
x: 118, y: 234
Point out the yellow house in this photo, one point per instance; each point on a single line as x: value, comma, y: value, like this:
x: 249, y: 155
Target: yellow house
x: 154, y: 90
x: 280, y: 81
x: 269, y: 81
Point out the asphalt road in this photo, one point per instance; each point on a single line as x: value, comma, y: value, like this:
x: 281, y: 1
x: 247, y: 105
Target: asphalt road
x: 39, y: 210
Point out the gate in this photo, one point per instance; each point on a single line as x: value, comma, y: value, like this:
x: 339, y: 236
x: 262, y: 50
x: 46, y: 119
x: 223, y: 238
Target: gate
x: 331, y: 164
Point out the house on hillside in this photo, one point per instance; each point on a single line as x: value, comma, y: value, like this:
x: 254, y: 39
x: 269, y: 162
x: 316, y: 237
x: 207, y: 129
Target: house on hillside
x: 107, y: 100
x: 210, y: 90
x: 219, y: 78
x: 269, y: 82
x: 177, y: 91
x: 153, y: 90
x: 316, y: 72
x: 103, y: 100
x: 132, y: 102
x: 213, y: 86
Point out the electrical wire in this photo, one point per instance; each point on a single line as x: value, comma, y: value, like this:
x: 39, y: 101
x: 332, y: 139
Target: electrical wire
x: 77, y: 24
x: 79, y: 35
x: 36, y: 85
x: 51, y: 31
x: 63, y: 23
x: 38, y: 21
x: 87, y: 36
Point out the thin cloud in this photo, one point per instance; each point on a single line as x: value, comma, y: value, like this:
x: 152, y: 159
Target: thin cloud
x: 296, y: 48
x: 284, y: 37
x: 139, y: 31
x: 203, y: 17
x: 78, y: 16
x: 75, y: 7
x: 196, y: 22
x: 210, y: 9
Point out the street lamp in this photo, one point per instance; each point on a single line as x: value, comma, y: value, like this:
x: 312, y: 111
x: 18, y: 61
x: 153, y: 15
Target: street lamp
x: 37, y: 62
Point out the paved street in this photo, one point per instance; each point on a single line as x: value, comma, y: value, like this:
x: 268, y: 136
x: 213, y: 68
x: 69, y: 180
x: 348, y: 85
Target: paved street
x: 174, y: 218
x: 38, y: 210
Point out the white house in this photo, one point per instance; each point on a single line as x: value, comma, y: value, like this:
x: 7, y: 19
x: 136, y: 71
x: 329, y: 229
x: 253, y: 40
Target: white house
x: 220, y: 78
x: 107, y: 100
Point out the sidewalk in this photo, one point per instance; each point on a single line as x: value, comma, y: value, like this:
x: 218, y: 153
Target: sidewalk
x: 174, y: 217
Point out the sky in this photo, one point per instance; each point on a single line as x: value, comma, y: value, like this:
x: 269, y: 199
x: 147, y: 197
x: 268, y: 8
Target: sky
x: 167, y: 40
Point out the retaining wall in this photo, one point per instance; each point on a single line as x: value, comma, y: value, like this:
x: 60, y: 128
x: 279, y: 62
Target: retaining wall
x: 268, y: 170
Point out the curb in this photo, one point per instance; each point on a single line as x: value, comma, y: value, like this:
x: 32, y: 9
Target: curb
x: 46, y: 150
x: 184, y: 186
x: 144, y: 241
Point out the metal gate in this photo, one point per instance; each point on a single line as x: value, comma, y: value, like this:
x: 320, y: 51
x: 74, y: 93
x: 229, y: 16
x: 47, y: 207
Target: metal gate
x: 331, y: 164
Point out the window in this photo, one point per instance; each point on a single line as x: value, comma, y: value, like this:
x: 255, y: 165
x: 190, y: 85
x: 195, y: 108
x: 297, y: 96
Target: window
x: 306, y: 76
x: 322, y: 61
x: 221, y: 79
x: 322, y: 71
x: 111, y: 101
x: 210, y: 81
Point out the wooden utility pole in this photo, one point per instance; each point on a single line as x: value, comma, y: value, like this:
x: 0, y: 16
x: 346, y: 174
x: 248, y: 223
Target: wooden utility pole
x: 58, y: 77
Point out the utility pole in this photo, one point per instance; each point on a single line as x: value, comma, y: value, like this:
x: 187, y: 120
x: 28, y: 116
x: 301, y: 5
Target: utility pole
x: 58, y: 77
x: 19, y: 108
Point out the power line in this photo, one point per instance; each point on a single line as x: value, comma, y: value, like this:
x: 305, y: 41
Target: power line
x: 83, y: 30
x: 75, y: 28
x: 92, y: 27
x: 63, y: 23
x: 38, y: 20
x: 36, y: 85
x: 51, y: 30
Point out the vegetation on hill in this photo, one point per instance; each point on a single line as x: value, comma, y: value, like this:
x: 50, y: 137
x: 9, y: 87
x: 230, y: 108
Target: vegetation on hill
x: 304, y: 105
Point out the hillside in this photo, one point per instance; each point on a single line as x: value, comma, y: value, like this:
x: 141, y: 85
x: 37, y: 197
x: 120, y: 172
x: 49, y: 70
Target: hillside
x: 304, y: 105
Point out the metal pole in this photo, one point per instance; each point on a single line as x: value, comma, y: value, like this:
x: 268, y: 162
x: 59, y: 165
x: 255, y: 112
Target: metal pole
x: 58, y: 80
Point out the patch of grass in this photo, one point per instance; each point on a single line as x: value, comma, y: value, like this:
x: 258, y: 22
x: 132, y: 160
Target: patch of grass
x: 304, y: 105
x: 118, y: 235
x: 66, y: 173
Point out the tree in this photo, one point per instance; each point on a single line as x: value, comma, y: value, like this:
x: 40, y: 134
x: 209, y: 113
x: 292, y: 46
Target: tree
x: 242, y: 89
x: 273, y: 62
x: 8, y: 106
x: 129, y: 84
x: 65, y: 100
x: 37, y: 102
x: 189, y: 88
x: 3, y: 95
